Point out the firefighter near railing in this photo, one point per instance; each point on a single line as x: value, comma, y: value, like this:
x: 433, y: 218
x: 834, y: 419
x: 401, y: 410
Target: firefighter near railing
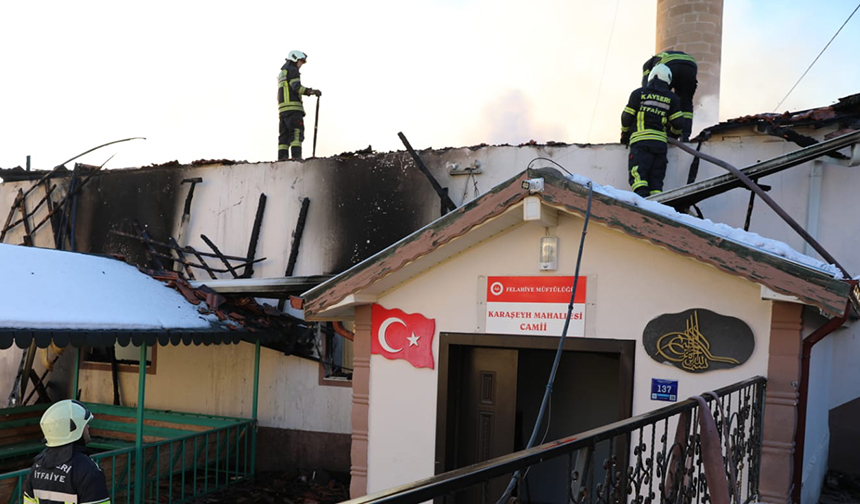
x: 175, y: 469
x: 704, y: 449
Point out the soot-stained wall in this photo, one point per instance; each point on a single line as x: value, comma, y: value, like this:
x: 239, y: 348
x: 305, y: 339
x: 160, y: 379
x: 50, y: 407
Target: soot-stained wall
x: 115, y: 199
x: 374, y: 202
x: 360, y: 204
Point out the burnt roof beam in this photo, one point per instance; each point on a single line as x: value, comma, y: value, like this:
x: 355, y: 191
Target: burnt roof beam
x: 693, y: 193
x: 751, y: 185
x: 791, y: 135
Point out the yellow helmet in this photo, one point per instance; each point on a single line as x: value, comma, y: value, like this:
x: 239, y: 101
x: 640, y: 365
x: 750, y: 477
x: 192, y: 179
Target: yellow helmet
x: 64, y: 422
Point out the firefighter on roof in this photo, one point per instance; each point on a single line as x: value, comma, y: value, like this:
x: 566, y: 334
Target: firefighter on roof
x: 650, y: 110
x: 684, y: 83
x: 291, y: 131
x: 63, y: 472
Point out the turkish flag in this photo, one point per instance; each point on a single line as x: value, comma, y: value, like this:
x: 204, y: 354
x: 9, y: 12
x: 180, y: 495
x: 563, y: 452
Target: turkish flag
x: 399, y: 335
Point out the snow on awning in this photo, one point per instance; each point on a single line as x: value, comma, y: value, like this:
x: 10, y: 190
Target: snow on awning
x: 71, y: 298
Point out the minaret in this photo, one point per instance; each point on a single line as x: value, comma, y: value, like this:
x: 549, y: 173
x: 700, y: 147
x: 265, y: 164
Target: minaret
x: 696, y: 27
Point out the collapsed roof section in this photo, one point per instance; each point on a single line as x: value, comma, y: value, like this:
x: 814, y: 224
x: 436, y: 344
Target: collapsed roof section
x: 844, y: 115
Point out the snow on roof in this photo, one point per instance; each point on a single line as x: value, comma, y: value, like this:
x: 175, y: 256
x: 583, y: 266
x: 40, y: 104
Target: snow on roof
x: 753, y: 240
x: 52, y: 289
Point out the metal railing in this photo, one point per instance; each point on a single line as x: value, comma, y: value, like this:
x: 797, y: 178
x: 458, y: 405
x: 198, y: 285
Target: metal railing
x: 653, y: 457
x: 175, y: 470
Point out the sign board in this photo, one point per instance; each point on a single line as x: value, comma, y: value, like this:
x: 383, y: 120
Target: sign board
x: 534, y: 305
x: 664, y: 390
x: 698, y: 340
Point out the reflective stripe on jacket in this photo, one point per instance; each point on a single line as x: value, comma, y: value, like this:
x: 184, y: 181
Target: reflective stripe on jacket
x: 78, y: 480
x: 649, y: 111
x: 668, y: 58
x: 290, y: 89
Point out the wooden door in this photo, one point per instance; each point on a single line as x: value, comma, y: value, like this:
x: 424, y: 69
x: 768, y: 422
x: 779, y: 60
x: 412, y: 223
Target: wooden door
x: 487, y: 414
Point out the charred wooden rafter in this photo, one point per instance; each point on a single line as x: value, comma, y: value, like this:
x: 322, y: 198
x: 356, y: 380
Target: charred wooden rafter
x: 255, y: 236
x: 172, y: 251
x: 297, y: 240
x: 219, y: 255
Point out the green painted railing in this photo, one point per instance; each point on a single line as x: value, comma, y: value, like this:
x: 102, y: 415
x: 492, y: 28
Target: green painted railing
x: 175, y: 470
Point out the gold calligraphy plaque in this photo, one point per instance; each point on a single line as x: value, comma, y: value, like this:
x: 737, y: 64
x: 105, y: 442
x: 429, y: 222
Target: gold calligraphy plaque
x: 698, y: 340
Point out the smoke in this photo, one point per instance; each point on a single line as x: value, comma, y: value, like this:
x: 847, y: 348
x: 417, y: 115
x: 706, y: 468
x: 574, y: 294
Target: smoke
x: 510, y: 118
x: 706, y: 112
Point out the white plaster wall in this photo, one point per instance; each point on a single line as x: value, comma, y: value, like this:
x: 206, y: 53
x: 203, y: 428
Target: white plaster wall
x: 816, y: 446
x: 630, y: 282
x: 845, y: 365
x: 218, y: 380
x: 225, y: 205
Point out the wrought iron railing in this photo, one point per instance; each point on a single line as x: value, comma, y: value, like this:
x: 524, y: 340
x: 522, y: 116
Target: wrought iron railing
x: 654, y: 457
x: 175, y: 470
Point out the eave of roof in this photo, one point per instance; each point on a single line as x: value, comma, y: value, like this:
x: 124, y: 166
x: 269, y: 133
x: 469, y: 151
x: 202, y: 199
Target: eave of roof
x: 402, y: 260
x: 43, y: 338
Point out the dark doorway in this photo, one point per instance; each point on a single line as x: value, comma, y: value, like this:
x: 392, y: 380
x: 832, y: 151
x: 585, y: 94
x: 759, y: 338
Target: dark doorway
x: 475, y: 423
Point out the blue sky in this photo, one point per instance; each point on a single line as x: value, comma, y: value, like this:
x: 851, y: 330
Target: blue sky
x: 198, y: 79
x: 769, y: 44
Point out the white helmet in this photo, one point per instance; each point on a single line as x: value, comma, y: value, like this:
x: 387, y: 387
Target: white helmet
x: 296, y: 55
x: 64, y: 422
x: 661, y: 72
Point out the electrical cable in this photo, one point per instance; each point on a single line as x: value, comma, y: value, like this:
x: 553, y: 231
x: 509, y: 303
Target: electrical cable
x: 602, y: 72
x: 816, y: 58
x: 546, y: 397
x: 551, y: 161
x: 545, y: 434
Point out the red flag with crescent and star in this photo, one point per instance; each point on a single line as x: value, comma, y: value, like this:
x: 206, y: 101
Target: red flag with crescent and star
x: 399, y: 335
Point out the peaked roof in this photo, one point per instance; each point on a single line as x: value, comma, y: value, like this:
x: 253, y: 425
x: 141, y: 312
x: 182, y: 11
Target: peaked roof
x: 492, y: 213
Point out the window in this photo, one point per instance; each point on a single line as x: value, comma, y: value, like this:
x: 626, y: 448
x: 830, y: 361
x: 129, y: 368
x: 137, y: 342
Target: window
x: 127, y: 358
x: 335, y: 355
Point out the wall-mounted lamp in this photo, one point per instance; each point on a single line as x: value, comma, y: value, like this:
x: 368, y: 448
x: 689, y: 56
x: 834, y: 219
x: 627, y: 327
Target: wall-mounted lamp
x: 549, y: 253
x: 534, y: 185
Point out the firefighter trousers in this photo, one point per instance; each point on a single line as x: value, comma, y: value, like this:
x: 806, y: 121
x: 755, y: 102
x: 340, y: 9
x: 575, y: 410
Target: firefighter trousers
x: 647, y: 167
x: 291, y: 134
x: 684, y: 83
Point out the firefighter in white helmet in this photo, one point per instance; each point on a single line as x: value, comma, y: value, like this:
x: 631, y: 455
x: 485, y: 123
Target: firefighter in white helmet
x: 650, y: 112
x: 63, y: 472
x: 291, y: 112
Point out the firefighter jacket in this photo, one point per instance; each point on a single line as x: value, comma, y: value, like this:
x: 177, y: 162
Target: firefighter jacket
x: 649, y: 112
x: 290, y: 89
x: 669, y: 58
x: 71, y: 477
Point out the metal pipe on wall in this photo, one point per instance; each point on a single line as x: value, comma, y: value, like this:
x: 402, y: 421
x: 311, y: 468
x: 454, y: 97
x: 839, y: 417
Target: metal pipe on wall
x: 813, y: 203
x: 254, y: 406
x: 803, y: 396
